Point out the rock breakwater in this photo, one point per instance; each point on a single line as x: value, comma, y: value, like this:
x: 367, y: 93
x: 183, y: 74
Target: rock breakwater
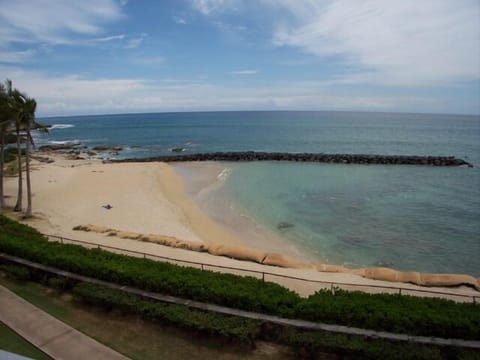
x: 310, y: 157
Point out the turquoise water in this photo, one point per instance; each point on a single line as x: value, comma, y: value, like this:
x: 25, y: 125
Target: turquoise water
x: 402, y: 217
x: 405, y: 217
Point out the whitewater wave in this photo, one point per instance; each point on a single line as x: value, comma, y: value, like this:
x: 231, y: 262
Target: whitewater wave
x: 224, y: 175
x: 65, y: 142
x: 61, y: 126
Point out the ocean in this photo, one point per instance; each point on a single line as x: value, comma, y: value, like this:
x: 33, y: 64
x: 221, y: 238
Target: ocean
x: 417, y: 218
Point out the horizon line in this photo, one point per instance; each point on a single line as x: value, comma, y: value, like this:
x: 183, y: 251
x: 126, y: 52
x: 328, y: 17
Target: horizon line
x: 280, y: 110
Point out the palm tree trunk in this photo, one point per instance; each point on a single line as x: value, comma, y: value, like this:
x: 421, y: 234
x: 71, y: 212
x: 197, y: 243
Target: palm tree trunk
x: 28, y: 212
x: 18, y: 206
x: 2, y: 159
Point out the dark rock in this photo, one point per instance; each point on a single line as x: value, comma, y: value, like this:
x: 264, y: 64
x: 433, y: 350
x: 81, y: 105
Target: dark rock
x: 42, y: 159
x: 283, y: 225
x: 178, y: 149
x: 386, y: 264
x: 109, y: 148
x: 324, y: 158
x: 58, y: 147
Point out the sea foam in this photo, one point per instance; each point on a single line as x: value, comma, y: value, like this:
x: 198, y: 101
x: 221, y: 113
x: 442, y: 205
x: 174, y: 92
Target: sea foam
x: 224, y: 175
x: 61, y: 126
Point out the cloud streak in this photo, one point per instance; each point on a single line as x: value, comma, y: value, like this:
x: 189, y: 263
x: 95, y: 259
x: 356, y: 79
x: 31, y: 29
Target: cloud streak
x: 74, y: 94
x: 109, y: 38
x: 408, y: 42
x: 244, y: 72
x: 402, y: 43
x: 209, y: 7
x: 54, y: 22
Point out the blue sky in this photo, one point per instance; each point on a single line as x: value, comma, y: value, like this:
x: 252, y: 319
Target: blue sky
x: 119, y: 56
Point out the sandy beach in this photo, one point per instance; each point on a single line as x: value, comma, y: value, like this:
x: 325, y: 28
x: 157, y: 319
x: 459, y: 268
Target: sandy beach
x: 150, y: 198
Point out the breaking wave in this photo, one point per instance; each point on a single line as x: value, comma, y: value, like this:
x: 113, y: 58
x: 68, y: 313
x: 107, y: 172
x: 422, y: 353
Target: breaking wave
x: 61, y: 126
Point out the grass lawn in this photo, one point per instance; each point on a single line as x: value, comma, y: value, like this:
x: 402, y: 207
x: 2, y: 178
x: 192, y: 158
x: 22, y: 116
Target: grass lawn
x: 134, y: 337
x: 11, y: 342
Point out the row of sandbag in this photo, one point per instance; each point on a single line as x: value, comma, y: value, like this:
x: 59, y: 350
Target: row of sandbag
x: 266, y: 258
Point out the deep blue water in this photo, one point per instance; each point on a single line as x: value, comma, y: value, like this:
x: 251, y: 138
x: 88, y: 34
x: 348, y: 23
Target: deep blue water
x: 407, y: 217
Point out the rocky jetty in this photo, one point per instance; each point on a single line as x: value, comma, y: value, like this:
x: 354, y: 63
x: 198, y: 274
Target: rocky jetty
x: 310, y: 157
x: 107, y: 148
x: 60, y: 147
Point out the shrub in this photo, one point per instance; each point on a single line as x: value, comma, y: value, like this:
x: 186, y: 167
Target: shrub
x: 17, y: 272
x: 412, y: 315
x: 241, y: 329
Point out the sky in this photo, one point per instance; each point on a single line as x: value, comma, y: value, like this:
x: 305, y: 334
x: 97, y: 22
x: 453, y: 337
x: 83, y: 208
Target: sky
x: 126, y: 56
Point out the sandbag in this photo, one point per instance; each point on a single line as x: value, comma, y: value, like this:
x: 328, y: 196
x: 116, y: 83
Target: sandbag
x: 411, y: 277
x: 237, y: 252
x: 381, y: 273
x: 284, y: 261
x: 128, y: 235
x: 449, y: 280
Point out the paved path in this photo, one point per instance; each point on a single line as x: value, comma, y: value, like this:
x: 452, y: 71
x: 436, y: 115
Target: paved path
x: 47, y: 333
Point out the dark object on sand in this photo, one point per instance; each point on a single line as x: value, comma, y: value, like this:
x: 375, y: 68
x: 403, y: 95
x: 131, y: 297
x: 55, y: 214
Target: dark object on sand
x: 108, y: 206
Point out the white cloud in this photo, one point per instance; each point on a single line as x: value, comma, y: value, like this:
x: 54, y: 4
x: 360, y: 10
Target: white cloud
x: 244, y: 72
x: 74, y: 94
x: 54, y: 22
x: 16, y: 56
x: 135, y: 42
x: 407, y: 42
x: 179, y: 20
x: 109, y: 38
x: 208, y: 7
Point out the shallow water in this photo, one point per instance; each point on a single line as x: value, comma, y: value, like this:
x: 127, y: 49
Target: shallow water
x: 397, y: 216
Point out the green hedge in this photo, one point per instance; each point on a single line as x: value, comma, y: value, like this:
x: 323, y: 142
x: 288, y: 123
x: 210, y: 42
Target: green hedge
x: 206, y: 322
x: 307, y: 344
x: 412, y: 315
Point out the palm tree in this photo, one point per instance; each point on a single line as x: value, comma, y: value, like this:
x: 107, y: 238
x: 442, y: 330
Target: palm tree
x: 25, y: 108
x: 4, y: 122
x: 6, y: 115
x: 15, y: 103
x: 3, y: 130
x: 28, y: 116
x: 18, y: 110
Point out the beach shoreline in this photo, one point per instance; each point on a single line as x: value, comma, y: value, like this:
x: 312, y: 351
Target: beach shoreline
x: 151, y: 199
x: 204, y: 183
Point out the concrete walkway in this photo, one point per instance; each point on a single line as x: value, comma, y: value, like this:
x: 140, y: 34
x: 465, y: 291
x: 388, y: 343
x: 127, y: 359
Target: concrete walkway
x: 50, y: 335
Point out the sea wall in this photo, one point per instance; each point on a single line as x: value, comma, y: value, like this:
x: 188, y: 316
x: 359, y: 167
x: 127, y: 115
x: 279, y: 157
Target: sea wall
x: 310, y: 157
